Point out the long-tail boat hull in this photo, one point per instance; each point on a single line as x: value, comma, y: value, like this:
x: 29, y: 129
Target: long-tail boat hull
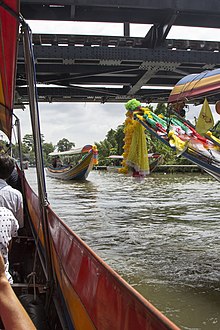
x: 77, y: 172
x: 155, y: 159
x: 93, y: 296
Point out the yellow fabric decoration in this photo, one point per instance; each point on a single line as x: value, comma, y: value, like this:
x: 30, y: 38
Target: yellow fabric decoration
x: 138, y: 154
x: 128, y: 130
x: 205, y: 120
x: 175, y: 141
x: 135, y: 155
x: 140, y: 117
x: 213, y: 136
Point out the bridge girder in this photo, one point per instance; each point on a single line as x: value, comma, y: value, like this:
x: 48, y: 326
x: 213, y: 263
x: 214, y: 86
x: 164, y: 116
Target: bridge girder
x: 113, y: 69
x: 113, y: 74
x: 201, y: 13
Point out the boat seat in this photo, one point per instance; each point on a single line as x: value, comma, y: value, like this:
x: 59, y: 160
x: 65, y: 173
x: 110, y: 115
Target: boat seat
x: 21, y: 288
x: 23, y: 237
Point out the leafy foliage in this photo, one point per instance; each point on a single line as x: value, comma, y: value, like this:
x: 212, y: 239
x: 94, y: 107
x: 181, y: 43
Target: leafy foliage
x: 28, y: 148
x: 111, y: 145
x: 216, y: 130
x: 47, y: 148
x: 64, y: 145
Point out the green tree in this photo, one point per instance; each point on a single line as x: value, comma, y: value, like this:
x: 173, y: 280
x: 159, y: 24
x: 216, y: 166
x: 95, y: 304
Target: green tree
x: 119, y: 136
x: 161, y: 108
x: 25, y: 149
x: 28, y: 142
x: 28, y: 147
x: 111, y: 137
x: 104, y: 151
x: 216, y: 130
x: 47, y: 148
x: 111, y: 145
x: 64, y: 145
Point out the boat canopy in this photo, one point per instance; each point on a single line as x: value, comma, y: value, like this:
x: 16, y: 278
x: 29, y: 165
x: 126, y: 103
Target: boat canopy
x: 9, y: 28
x: 115, y: 157
x: 73, y: 151
x: 195, y: 86
x: 151, y: 155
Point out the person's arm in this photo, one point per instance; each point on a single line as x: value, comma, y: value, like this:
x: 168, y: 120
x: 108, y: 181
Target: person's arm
x: 12, y: 313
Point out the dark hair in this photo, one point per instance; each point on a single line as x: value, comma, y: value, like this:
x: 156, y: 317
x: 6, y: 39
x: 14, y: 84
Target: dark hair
x: 7, y: 165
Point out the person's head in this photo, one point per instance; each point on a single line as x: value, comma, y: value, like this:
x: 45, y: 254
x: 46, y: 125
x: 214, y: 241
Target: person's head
x: 7, y: 165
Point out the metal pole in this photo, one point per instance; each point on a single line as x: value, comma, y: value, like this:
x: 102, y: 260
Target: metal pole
x: 34, y: 112
x: 18, y: 126
x: 126, y: 29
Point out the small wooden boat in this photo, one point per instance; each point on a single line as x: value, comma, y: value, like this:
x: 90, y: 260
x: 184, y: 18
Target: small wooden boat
x: 115, y: 163
x: 154, y: 160
x: 80, y: 163
x: 60, y: 281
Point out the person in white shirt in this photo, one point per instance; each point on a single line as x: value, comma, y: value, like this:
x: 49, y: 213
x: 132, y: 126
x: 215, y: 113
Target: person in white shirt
x: 9, y: 197
x: 8, y: 229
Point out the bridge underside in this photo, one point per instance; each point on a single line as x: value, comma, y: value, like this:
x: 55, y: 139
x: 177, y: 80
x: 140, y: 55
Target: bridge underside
x: 160, y: 13
x: 92, y: 68
x: 112, y: 69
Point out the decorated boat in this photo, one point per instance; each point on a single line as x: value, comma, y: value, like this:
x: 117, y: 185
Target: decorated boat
x: 202, y: 147
x: 74, y: 164
x: 136, y: 159
x: 184, y: 138
x: 195, y: 143
x: 154, y: 159
x: 60, y: 281
x: 196, y: 87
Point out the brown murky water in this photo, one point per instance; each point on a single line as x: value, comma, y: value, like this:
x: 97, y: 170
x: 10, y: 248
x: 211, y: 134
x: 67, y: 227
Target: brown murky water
x: 162, y: 235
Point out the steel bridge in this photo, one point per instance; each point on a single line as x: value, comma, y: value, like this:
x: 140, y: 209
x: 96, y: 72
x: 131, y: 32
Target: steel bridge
x: 93, y: 68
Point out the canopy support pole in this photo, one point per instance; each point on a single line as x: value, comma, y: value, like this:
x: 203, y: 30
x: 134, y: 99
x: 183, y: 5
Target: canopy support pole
x: 34, y: 112
x: 18, y: 127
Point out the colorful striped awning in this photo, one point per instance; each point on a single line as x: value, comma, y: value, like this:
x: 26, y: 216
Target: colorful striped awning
x: 195, y: 86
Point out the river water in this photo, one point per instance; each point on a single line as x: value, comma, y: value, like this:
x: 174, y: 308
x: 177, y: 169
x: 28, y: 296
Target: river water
x: 162, y: 235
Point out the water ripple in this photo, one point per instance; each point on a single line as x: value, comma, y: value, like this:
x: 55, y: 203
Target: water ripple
x: 161, y: 234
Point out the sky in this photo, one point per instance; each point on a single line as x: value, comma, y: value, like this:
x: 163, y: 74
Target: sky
x: 87, y: 123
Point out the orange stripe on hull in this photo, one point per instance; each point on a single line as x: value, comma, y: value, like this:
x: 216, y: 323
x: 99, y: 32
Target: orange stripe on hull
x: 76, y: 310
